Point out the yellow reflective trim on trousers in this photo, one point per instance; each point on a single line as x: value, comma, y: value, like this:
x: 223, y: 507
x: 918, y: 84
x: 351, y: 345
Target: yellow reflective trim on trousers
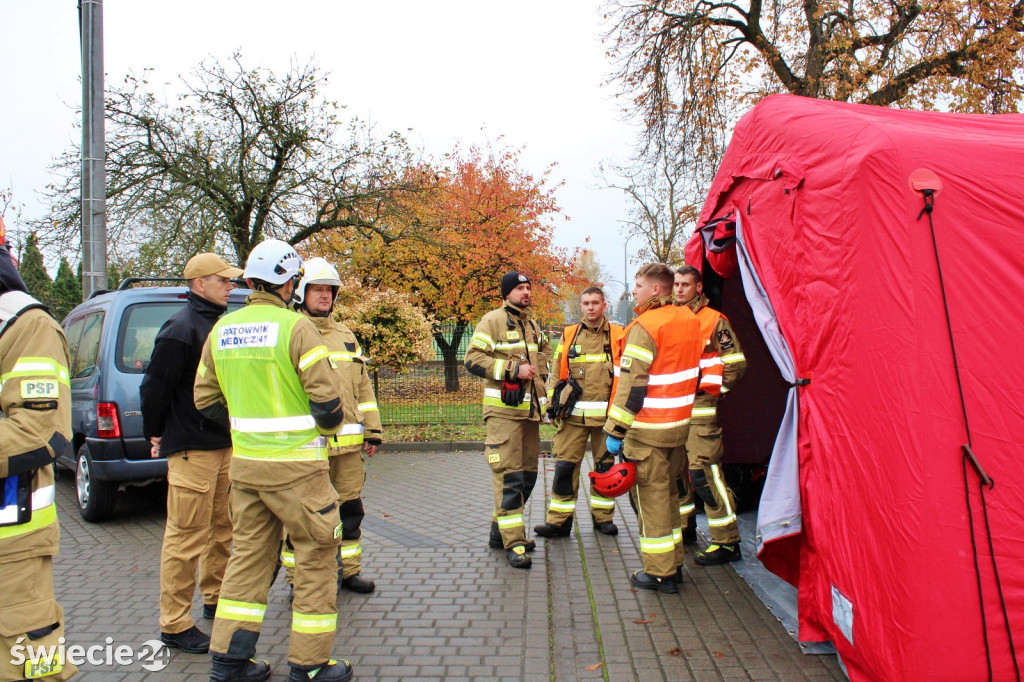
x: 368, y: 407
x: 661, y: 545
x: 723, y: 493
x: 703, y: 412
x: 562, y: 505
x: 617, y: 413
x: 287, y: 558
x: 497, y: 403
x: 313, y: 356
x: 725, y: 521
x: 41, y: 518
x: 351, y: 551
x: 314, y: 624
x: 637, y: 352
x: 598, y: 502
x: 499, y: 370
x: 249, y: 612
x: 677, y: 535
x: 687, y: 509
x: 733, y: 357
x: 510, y: 521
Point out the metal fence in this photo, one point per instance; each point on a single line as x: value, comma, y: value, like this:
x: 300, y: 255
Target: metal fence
x: 425, y: 394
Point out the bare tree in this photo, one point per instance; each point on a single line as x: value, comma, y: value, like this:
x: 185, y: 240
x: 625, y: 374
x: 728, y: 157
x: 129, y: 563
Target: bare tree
x: 682, y: 60
x: 241, y: 155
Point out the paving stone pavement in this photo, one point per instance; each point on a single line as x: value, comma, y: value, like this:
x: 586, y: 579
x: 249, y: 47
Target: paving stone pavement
x: 446, y: 606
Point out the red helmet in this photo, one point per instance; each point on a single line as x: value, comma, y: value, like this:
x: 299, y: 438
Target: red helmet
x: 616, y: 481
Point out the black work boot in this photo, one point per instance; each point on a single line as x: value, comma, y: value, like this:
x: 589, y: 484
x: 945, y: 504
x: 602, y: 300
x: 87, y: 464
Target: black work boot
x: 550, y: 530
x: 605, y: 527
x: 646, y: 581
x: 517, y: 557
x: 332, y: 671
x: 495, y: 541
x: 238, y: 670
x: 690, y: 532
x: 357, y: 583
x: 191, y: 641
x: 210, y: 611
x: 716, y: 555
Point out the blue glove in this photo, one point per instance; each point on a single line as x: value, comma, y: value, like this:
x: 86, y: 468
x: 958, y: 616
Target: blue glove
x: 613, y: 444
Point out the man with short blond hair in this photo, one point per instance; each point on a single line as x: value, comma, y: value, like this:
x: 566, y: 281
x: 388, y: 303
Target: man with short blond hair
x: 198, y: 451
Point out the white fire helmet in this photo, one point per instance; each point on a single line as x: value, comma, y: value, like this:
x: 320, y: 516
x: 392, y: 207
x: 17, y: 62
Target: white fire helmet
x: 273, y: 261
x: 317, y: 271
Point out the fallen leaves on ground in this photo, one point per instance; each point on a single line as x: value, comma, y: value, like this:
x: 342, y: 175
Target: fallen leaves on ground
x: 596, y: 666
x: 676, y: 651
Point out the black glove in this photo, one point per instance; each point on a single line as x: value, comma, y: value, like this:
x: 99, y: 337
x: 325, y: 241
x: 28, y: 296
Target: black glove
x: 375, y: 442
x: 512, y: 393
x: 565, y: 400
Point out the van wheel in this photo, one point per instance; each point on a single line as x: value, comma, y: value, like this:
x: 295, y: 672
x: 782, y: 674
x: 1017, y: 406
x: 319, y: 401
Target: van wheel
x: 95, y: 498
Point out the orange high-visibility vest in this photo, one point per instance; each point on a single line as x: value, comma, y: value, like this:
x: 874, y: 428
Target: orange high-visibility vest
x: 616, y: 334
x: 674, y: 373
x: 711, y: 367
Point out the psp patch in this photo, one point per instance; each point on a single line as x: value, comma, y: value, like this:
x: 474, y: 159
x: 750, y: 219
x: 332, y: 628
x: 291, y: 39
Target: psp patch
x: 625, y: 362
x: 40, y: 389
x: 724, y: 338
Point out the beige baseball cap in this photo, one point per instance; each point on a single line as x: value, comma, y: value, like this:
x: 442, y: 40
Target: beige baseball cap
x: 204, y: 264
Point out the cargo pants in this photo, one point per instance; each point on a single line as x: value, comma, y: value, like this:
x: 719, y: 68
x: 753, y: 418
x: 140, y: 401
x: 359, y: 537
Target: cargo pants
x: 569, y: 448
x: 512, y: 448
x: 198, y: 532
x: 30, y: 613
x: 347, y: 476
x: 308, y: 512
x: 705, y: 478
x: 655, y: 498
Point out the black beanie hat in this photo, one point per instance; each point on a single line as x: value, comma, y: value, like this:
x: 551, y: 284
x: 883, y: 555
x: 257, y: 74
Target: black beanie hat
x: 511, y: 281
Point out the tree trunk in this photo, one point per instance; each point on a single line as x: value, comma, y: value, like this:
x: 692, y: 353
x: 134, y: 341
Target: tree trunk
x: 450, y: 353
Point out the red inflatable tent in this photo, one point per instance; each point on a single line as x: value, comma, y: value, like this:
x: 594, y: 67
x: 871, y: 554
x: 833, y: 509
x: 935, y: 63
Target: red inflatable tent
x: 817, y: 231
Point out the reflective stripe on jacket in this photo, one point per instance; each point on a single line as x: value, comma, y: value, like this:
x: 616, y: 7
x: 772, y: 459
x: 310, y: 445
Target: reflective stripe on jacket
x: 723, y: 357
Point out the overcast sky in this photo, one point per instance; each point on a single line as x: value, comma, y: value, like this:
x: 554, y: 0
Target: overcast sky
x: 453, y: 71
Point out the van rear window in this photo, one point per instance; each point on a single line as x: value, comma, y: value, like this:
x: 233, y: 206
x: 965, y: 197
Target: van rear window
x: 139, y: 327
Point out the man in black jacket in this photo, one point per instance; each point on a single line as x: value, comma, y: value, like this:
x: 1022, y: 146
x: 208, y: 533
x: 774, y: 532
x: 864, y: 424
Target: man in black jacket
x: 198, y: 453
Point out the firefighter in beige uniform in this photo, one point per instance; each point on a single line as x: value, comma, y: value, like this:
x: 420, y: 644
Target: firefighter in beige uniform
x: 266, y: 366
x: 511, y: 353
x: 584, y: 360
x: 361, y: 430
x: 722, y: 366
x: 650, y: 411
x: 36, y: 402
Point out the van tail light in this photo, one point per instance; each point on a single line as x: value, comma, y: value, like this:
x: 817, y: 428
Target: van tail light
x: 107, y: 423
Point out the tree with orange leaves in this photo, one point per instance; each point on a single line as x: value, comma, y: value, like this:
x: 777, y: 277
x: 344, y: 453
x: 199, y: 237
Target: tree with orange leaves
x: 475, y: 219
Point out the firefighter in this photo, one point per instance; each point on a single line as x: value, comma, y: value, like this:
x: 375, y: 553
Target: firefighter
x: 361, y: 431
x: 722, y: 366
x: 267, y: 367
x: 511, y: 353
x: 649, y: 418
x: 585, y: 358
x: 198, y: 452
x: 35, y: 399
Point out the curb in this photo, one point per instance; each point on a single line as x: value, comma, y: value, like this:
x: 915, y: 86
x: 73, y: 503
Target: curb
x: 444, y: 446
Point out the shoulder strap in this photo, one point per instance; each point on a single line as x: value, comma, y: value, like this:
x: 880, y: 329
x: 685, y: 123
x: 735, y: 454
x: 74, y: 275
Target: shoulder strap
x: 12, y: 305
